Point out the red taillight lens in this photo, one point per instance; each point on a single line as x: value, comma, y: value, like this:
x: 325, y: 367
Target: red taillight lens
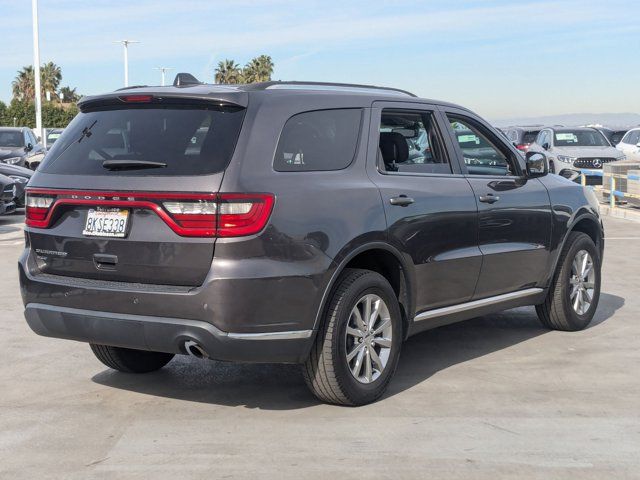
x: 523, y: 147
x: 37, y: 209
x: 230, y: 215
x: 241, y: 214
x: 137, y: 98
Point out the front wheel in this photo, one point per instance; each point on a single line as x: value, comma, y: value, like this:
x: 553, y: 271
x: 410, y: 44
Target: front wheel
x: 358, y: 345
x: 575, y: 290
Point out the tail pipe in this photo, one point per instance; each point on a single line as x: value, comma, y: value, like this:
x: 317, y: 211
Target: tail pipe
x: 195, y: 350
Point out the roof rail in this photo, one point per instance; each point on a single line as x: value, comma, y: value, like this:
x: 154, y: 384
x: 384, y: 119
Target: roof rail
x: 185, y: 80
x: 266, y: 85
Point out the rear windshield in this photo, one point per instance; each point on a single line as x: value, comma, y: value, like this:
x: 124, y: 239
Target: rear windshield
x: 530, y: 137
x: 178, y: 141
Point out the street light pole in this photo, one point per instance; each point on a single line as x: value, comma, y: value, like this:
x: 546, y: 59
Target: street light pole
x: 36, y: 67
x: 125, y: 44
x: 163, y: 70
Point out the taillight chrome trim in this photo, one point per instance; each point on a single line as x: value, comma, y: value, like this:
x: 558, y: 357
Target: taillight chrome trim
x: 254, y: 221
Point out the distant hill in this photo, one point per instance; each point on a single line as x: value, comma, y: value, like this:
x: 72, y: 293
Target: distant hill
x: 574, y: 119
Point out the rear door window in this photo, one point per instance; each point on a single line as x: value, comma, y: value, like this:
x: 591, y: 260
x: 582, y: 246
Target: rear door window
x: 318, y: 140
x: 187, y: 141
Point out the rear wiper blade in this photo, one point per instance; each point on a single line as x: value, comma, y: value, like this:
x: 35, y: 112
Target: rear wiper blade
x: 131, y: 164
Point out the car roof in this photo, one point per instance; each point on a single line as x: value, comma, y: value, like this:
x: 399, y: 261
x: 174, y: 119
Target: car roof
x: 239, y: 94
x: 573, y: 129
x: 12, y: 129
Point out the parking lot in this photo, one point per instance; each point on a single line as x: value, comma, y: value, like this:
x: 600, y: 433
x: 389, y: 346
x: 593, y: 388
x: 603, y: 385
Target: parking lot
x: 493, y: 397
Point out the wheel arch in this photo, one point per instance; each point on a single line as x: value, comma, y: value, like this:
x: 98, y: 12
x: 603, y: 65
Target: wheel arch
x: 586, y: 223
x: 386, y: 260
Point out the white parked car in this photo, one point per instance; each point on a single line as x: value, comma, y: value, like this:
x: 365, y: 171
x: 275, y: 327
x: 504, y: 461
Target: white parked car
x: 630, y: 144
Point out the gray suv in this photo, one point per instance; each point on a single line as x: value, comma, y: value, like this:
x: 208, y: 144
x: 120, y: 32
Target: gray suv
x: 319, y: 224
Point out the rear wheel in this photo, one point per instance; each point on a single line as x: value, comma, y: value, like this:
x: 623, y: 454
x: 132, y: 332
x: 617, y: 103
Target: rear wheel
x: 575, y: 290
x: 358, y: 346
x: 130, y: 361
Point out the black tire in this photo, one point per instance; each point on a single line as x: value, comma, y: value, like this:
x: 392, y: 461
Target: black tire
x: 327, y: 371
x: 557, y: 312
x: 130, y: 361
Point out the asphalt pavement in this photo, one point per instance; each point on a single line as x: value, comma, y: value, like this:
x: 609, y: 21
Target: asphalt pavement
x: 490, y: 398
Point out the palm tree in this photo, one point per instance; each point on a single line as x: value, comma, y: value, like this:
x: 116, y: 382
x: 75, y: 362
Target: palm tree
x: 50, y: 78
x: 69, y: 95
x: 23, y: 85
x: 259, y: 69
x: 228, y: 72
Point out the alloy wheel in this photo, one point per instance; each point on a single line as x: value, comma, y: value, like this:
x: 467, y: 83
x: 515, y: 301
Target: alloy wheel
x: 583, y: 281
x: 369, y: 337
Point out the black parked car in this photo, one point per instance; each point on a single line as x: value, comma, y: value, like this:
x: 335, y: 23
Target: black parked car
x: 523, y: 137
x: 295, y: 229
x: 7, y: 194
x: 52, y: 136
x: 19, y: 146
x: 20, y: 177
x: 614, y: 136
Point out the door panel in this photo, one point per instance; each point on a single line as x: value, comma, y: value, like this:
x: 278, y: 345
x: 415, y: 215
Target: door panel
x: 438, y: 229
x: 514, y: 213
x: 514, y: 234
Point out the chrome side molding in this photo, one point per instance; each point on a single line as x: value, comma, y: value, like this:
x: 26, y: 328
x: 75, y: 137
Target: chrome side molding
x: 290, y: 335
x: 462, y: 307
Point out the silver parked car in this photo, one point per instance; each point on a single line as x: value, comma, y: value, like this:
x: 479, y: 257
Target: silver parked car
x: 576, y: 148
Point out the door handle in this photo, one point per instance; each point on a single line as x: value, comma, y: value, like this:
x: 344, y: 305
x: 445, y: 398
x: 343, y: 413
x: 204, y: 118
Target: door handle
x: 489, y: 198
x: 401, y: 201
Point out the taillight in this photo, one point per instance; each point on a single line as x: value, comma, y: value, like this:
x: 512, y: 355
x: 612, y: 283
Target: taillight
x: 523, y: 147
x: 188, y: 215
x: 230, y: 215
x: 136, y: 98
x: 241, y: 214
x: 37, y: 208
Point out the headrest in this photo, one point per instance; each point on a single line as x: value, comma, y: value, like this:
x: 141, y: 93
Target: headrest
x: 394, y: 148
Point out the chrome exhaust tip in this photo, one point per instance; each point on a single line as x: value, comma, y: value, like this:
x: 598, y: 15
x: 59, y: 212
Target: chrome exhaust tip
x: 195, y: 350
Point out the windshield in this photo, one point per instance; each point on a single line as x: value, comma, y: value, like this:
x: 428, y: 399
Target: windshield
x: 52, y: 137
x: 580, y: 138
x: 530, y: 137
x: 184, y: 141
x: 11, y: 139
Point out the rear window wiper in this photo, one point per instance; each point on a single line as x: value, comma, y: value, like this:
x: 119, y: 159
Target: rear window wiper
x: 131, y: 164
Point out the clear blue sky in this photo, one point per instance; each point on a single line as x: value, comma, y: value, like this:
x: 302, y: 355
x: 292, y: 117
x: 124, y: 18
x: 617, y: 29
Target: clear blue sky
x: 500, y: 58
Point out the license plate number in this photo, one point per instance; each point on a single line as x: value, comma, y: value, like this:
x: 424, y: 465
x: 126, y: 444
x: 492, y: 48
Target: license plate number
x: 106, y: 222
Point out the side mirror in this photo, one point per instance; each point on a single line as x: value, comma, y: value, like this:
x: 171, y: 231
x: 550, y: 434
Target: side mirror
x: 28, y: 148
x: 537, y: 164
x: 545, y: 145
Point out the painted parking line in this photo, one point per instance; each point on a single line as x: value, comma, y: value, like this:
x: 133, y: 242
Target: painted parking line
x: 621, y: 238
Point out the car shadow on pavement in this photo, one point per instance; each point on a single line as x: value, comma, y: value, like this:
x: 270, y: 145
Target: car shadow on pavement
x: 281, y: 387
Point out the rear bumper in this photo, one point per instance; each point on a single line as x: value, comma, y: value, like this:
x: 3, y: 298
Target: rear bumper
x: 160, y: 334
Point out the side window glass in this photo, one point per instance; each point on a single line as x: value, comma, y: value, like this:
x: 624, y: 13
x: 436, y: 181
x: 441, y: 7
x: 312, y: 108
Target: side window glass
x: 411, y: 143
x: 27, y: 140
x: 634, y: 137
x: 481, y: 154
x: 318, y: 140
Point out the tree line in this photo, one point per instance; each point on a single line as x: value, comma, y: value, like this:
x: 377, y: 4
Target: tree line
x: 57, y: 112
x: 61, y: 107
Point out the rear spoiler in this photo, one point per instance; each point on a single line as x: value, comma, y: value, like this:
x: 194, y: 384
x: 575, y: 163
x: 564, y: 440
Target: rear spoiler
x: 235, y: 100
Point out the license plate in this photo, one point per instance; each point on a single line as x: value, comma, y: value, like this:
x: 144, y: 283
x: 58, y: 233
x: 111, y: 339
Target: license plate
x: 106, y: 222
